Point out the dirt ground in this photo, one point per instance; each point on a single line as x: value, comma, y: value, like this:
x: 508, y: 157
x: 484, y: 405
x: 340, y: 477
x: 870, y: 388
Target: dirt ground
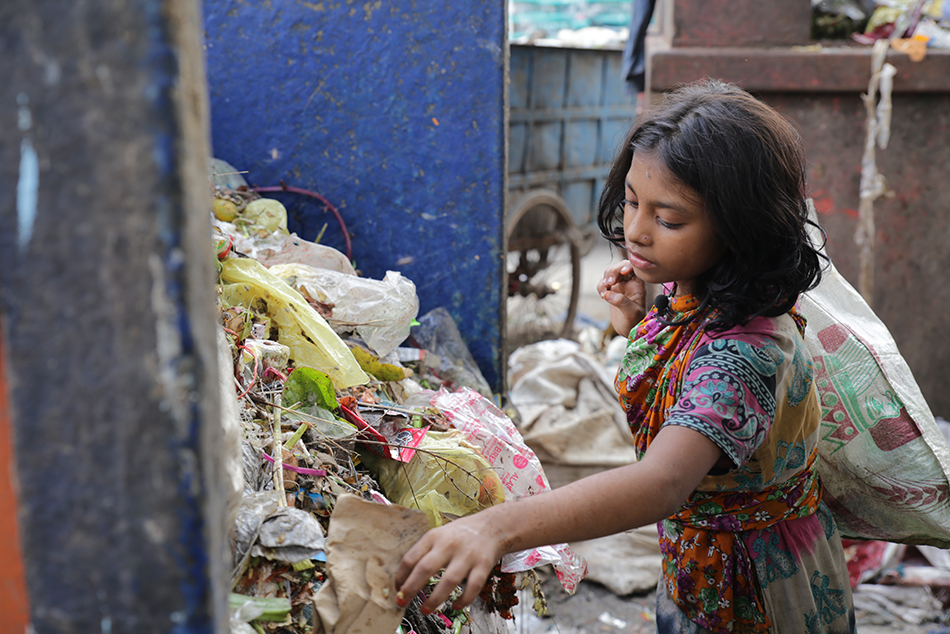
x: 594, y: 608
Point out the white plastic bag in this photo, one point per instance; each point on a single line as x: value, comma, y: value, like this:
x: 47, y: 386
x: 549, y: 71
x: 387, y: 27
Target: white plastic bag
x: 380, y: 311
x: 520, y: 471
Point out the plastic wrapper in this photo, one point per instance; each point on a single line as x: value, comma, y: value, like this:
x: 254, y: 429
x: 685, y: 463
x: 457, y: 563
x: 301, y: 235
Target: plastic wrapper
x: 311, y: 341
x: 518, y: 469
x: 280, y: 248
x: 446, y: 479
x: 223, y: 174
x: 255, y: 506
x: 379, y: 311
x: 438, y: 334
x: 260, y: 355
x: 290, y: 535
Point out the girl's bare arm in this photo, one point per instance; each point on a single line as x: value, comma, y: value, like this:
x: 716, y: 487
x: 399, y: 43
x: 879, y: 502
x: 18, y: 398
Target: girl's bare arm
x: 602, y: 504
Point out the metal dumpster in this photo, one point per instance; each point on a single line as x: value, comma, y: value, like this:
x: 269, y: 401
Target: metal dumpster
x: 568, y: 109
x: 394, y: 112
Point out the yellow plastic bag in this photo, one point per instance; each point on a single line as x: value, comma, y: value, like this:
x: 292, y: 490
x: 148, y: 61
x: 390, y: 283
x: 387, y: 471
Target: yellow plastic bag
x: 447, y: 478
x: 311, y: 341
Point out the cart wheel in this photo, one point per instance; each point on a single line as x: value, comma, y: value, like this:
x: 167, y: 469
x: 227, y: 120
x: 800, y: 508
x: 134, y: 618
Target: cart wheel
x: 544, y: 269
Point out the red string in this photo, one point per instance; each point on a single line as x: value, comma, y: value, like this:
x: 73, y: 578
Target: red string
x: 327, y: 203
x: 253, y: 378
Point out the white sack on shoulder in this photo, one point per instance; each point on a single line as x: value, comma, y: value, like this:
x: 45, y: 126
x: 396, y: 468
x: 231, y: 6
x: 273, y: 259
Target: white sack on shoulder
x: 884, y: 461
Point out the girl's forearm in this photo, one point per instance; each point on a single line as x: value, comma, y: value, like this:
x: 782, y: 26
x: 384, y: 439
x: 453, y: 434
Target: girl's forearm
x: 599, y: 505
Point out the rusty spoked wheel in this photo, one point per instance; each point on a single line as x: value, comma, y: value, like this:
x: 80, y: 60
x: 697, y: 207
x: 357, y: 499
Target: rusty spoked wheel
x: 544, y: 267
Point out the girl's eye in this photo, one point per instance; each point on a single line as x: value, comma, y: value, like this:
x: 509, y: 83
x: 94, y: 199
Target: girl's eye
x: 668, y: 225
x: 632, y: 203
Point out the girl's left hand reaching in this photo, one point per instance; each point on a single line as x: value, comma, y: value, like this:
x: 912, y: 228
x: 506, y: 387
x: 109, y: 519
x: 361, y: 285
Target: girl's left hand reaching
x: 468, y: 548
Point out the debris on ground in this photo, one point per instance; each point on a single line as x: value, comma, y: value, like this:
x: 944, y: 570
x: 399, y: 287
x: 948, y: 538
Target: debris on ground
x: 910, y: 26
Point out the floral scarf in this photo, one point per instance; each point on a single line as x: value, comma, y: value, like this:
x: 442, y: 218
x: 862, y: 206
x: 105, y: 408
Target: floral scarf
x: 708, y: 573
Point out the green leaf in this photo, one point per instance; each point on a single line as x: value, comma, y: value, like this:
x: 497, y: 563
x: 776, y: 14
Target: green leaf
x: 311, y: 396
x: 310, y: 387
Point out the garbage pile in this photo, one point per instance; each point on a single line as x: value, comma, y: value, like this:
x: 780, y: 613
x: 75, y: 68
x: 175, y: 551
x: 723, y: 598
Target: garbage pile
x: 352, y: 428
x: 912, y: 26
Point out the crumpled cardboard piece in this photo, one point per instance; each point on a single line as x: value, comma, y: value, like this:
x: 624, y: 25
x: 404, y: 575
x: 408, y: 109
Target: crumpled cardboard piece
x: 365, y: 543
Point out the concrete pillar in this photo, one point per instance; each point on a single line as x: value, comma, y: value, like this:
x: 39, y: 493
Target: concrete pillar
x: 106, y: 306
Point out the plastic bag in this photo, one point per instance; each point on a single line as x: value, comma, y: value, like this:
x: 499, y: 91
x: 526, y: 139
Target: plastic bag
x: 447, y: 478
x: 280, y: 248
x: 519, y: 470
x: 380, y: 311
x: 311, y: 341
x: 438, y: 333
x: 884, y: 461
x: 289, y: 534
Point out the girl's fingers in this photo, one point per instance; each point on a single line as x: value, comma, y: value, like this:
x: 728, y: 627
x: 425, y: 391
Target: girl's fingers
x: 476, y: 581
x: 473, y: 574
x: 416, y: 568
x: 617, y: 271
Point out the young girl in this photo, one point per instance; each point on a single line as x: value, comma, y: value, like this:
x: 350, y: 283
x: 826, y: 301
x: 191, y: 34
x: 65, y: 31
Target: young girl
x: 707, y: 198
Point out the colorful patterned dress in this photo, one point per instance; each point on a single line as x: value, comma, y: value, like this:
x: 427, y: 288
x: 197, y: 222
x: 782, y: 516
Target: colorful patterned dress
x: 754, y: 549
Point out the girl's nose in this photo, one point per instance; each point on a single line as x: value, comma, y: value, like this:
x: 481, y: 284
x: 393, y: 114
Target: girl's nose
x: 636, y: 232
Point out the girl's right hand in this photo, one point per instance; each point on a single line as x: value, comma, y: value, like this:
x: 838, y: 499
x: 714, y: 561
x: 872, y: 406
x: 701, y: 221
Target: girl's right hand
x: 626, y: 294
x: 467, y: 549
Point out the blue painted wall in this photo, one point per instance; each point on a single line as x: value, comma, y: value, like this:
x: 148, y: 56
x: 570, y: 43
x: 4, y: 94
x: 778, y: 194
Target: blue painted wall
x: 394, y: 111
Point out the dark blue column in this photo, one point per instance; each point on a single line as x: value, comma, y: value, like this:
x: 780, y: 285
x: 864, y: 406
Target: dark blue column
x: 106, y: 304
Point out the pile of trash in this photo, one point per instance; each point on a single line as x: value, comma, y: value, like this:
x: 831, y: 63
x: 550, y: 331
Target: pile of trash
x: 911, y: 25
x: 351, y: 426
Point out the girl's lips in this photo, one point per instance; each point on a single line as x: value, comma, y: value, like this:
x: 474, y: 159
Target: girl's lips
x: 639, y: 262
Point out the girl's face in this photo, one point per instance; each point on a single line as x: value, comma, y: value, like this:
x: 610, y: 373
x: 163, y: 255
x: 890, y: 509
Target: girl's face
x: 666, y: 233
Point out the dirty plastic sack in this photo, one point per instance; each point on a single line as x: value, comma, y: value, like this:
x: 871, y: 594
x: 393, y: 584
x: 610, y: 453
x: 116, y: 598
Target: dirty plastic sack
x: 519, y: 470
x: 380, y: 311
x: 447, y: 478
x: 254, y: 508
x: 311, y: 341
x: 281, y: 248
x: 568, y: 407
x: 438, y: 333
x: 884, y: 462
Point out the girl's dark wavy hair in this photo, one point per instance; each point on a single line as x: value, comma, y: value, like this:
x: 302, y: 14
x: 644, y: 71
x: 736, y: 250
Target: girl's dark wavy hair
x: 747, y: 163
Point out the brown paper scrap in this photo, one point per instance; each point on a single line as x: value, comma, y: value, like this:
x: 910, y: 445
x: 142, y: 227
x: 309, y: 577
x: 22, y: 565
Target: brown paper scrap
x: 365, y: 543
